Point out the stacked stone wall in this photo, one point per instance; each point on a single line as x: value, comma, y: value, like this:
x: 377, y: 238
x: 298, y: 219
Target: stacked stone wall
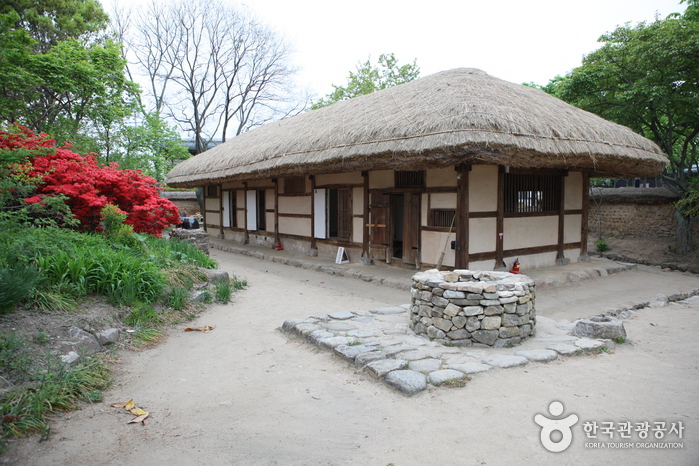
x: 464, y: 307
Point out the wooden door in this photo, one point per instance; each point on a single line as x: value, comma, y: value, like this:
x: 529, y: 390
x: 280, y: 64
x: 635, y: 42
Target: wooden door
x: 379, y: 234
x: 411, y: 229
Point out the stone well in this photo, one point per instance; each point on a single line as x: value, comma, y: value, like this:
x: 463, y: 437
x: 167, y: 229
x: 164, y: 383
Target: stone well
x: 467, y: 307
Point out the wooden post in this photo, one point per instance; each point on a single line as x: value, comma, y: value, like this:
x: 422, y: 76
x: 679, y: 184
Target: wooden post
x: 585, y: 213
x: 276, y: 210
x: 500, y: 219
x: 462, y: 217
x: 246, y: 238
x: 561, y: 219
x: 219, y: 191
x: 365, y: 234
x: 313, y: 212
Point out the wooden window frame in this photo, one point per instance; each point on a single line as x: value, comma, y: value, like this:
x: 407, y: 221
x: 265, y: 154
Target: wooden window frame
x: 441, y: 217
x: 409, y: 179
x: 339, y: 213
x: 531, y: 193
x: 295, y: 185
x: 212, y: 190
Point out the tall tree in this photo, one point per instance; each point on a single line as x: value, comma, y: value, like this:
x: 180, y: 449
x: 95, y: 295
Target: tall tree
x: 647, y: 77
x: 211, y: 68
x: 369, y: 78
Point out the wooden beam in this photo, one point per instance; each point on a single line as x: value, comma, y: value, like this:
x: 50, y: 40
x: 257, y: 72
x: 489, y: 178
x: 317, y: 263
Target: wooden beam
x: 313, y: 211
x: 246, y: 238
x: 461, y: 259
x: 276, y: 209
x: 219, y: 190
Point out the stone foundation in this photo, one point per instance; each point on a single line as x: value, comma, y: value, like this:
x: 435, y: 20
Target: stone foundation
x: 467, y: 307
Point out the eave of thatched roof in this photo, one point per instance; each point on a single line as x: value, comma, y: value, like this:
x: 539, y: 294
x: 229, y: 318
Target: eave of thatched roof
x: 456, y: 116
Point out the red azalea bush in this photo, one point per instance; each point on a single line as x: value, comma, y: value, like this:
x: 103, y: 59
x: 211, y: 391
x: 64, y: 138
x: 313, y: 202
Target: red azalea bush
x: 90, y: 187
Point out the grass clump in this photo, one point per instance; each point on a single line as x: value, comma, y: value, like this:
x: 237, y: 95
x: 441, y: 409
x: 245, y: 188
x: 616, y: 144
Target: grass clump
x: 601, y: 245
x: 35, y: 389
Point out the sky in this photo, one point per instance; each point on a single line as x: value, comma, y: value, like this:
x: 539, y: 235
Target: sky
x: 515, y: 40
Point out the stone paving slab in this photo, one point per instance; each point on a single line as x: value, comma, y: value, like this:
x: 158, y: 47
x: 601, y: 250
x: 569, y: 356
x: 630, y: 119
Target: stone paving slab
x: 383, y: 345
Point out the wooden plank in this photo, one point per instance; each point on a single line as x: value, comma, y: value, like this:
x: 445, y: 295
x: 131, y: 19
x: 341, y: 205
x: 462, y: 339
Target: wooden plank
x: 276, y: 210
x: 379, y: 215
x: 561, y: 217
x: 313, y: 212
x: 411, y: 229
x: 365, y: 214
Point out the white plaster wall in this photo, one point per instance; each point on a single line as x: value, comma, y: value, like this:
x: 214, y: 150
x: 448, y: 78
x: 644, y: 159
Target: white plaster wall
x: 482, y: 265
x: 295, y: 205
x: 572, y: 225
x: 572, y: 254
x: 433, y: 245
x: 532, y: 261
x: 340, y: 178
x: 358, y: 201
x: 295, y: 226
x: 260, y: 183
x: 357, y: 230
x: 443, y: 201
x: 423, y: 209
x: 381, y: 179
x: 482, y: 235
x: 212, y: 203
x: 440, y: 177
x: 483, y: 188
x: 528, y: 232
x: 573, y: 191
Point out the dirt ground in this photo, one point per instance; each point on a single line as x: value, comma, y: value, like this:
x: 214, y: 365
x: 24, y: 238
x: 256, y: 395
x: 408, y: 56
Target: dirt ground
x: 660, y: 250
x: 247, y: 394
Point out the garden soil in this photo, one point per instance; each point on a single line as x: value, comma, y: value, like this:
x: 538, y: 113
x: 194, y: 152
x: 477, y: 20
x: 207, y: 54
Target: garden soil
x: 247, y: 394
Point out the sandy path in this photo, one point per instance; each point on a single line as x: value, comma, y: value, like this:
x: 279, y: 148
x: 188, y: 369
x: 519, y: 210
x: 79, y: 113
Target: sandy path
x: 247, y: 394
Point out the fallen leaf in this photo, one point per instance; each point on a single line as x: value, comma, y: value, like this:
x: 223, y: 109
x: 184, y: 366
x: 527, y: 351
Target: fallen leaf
x: 138, y: 419
x: 130, y: 405
x: 120, y: 405
x: 9, y: 418
x: 205, y: 329
x: 138, y: 412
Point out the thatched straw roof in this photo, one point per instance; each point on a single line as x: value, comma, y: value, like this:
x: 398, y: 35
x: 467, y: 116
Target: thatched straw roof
x: 457, y: 116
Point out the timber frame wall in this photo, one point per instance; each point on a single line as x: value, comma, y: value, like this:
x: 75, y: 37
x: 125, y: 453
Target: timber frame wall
x: 459, y: 212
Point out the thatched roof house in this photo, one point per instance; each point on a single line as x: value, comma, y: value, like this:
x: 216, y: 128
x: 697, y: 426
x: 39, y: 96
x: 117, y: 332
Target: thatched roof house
x: 457, y: 119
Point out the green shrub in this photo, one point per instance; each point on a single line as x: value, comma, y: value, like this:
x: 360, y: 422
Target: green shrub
x: 223, y: 292
x: 178, y: 297
x: 17, y: 283
x: 601, y: 245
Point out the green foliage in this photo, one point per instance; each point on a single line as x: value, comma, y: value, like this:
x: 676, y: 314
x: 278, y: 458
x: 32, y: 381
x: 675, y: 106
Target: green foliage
x: 15, y: 363
x: 223, y: 292
x: 369, y: 78
x: 17, y: 283
x: 56, y: 387
x: 601, y: 245
x: 689, y: 205
x: 177, y: 298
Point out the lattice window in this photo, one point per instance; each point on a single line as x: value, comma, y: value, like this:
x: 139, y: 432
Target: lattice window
x: 339, y: 207
x: 527, y: 193
x: 442, y: 218
x: 212, y: 191
x: 295, y: 185
x: 410, y: 179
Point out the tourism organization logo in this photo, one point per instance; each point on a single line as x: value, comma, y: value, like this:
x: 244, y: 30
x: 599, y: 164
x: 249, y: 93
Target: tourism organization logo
x: 549, y: 426
x: 557, y: 433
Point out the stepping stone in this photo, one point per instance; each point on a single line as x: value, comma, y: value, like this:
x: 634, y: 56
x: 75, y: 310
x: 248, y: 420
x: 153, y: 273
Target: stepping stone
x: 365, y: 358
x: 425, y: 365
x: 407, y: 381
x: 388, y: 310
x: 415, y: 355
x: 317, y: 335
x: 392, y: 351
x: 288, y: 325
x: 555, y: 339
x: 363, y: 319
x: 564, y: 349
x: 504, y: 361
x: 338, y: 326
x: 415, y: 341
x: 304, y: 328
x: 332, y: 342
x: 446, y: 375
x: 586, y: 344
x: 351, y: 351
x: 381, y: 367
x: 470, y: 367
x: 539, y: 355
x: 361, y: 333
x: 341, y: 315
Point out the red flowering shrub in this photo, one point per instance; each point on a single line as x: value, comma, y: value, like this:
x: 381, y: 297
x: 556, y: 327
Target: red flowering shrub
x: 88, y: 186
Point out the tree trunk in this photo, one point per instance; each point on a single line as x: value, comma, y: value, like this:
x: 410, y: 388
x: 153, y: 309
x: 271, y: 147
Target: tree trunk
x: 684, y: 233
